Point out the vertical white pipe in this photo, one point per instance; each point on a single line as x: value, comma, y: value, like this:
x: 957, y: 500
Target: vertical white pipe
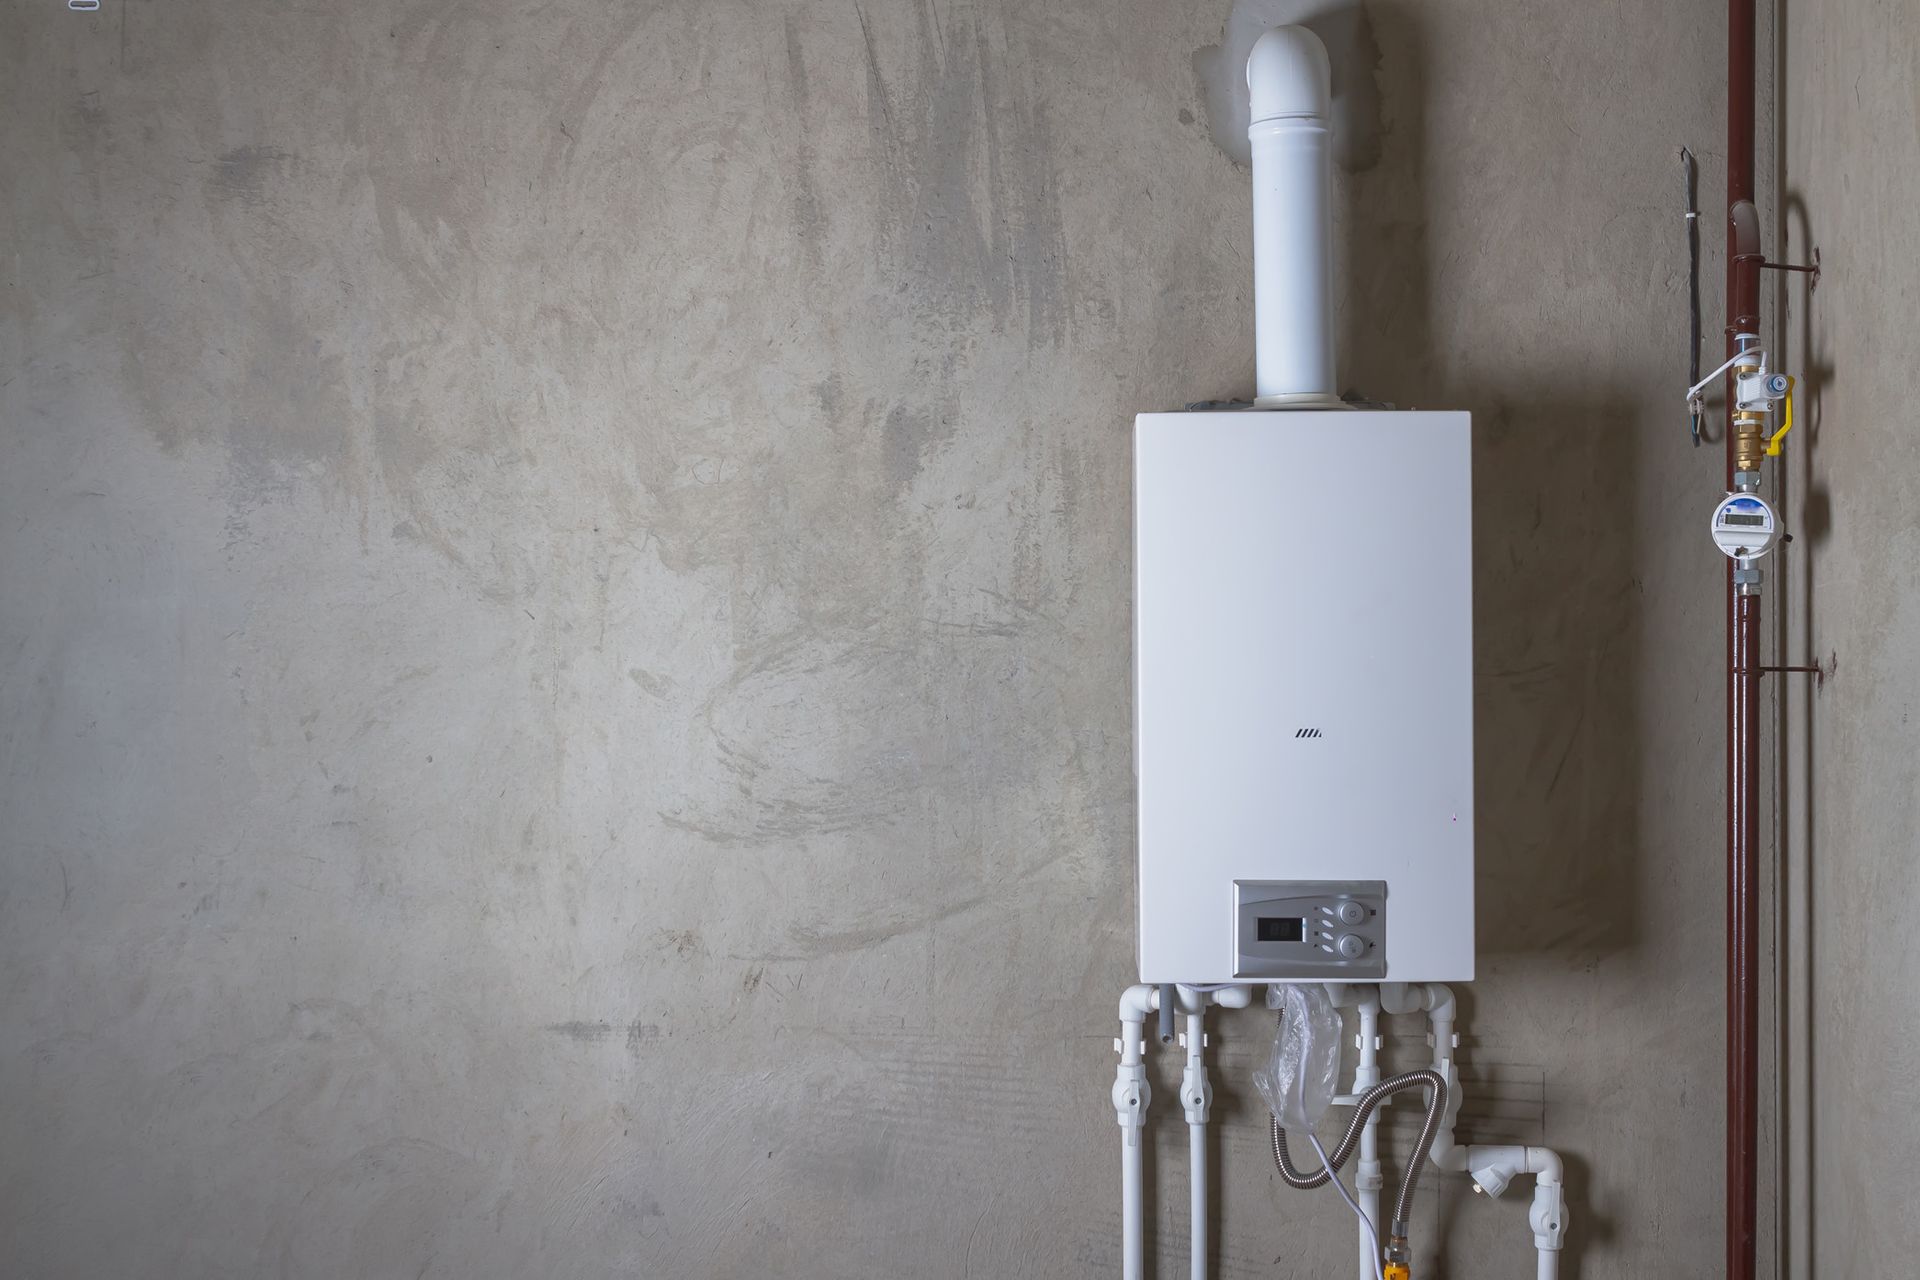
x: 1132, y: 1262
x: 1197, y: 1157
x: 1131, y: 1095
x: 1196, y: 1094
x: 1368, y: 1177
x: 1290, y: 91
x: 1548, y: 1216
x: 1438, y: 1000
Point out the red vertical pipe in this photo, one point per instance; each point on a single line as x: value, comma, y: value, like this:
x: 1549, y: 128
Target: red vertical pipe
x: 1743, y: 677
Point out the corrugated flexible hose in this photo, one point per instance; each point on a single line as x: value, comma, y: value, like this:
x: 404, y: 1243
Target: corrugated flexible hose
x: 1436, y: 1107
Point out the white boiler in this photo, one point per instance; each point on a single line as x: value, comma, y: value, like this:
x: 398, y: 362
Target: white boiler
x: 1303, y: 702
x: 1303, y: 664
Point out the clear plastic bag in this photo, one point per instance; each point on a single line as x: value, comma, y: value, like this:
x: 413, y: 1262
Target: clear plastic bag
x: 1300, y: 1075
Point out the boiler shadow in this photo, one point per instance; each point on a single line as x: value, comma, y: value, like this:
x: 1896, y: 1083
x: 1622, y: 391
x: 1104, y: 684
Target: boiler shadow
x: 1557, y: 600
x: 1559, y: 614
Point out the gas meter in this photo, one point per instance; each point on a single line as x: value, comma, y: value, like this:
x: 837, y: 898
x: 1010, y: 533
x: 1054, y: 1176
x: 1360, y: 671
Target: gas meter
x: 1744, y: 527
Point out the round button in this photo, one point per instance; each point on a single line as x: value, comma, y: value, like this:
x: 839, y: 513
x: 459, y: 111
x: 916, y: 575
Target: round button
x: 1351, y: 946
x: 1351, y: 912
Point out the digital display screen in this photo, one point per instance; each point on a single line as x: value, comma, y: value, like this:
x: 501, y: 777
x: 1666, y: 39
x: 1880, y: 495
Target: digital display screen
x: 1757, y: 522
x: 1281, y: 929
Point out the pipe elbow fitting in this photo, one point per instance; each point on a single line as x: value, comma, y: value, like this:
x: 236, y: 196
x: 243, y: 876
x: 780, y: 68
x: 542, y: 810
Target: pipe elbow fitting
x: 1438, y: 997
x: 1289, y: 77
x: 1137, y: 1001
x: 1546, y: 1166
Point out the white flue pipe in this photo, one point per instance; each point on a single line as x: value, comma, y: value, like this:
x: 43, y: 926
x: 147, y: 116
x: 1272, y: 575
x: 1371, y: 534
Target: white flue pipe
x: 1290, y: 95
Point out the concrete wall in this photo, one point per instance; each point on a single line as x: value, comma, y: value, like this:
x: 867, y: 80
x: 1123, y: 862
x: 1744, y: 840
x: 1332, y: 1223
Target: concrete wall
x: 1851, y: 98
x: 563, y: 673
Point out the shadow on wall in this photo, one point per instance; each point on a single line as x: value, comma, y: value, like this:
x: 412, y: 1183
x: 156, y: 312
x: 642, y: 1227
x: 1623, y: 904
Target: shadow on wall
x: 1797, y: 639
x: 1557, y: 614
x: 1556, y: 617
x: 1344, y: 28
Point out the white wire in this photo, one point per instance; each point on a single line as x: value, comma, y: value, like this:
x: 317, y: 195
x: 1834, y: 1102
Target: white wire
x: 1341, y: 1187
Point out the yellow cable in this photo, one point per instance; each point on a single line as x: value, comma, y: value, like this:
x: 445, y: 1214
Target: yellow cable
x: 1786, y: 424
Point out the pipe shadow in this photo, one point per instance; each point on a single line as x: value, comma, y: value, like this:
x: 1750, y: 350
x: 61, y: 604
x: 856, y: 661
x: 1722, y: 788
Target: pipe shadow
x: 1796, y: 641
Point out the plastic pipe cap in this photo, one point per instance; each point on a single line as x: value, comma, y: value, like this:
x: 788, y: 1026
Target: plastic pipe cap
x: 1289, y: 76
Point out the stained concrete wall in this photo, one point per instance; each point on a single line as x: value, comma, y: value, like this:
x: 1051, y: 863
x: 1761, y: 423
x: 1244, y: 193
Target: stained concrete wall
x: 1850, y: 101
x: 565, y: 648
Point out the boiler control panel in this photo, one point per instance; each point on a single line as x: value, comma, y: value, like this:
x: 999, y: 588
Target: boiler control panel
x: 1301, y: 930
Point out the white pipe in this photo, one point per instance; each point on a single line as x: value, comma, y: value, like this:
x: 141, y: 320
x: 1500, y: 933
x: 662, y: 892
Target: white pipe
x: 1492, y: 1167
x: 1290, y: 93
x: 1137, y: 1001
x: 1131, y: 1095
x: 1197, y: 1208
x: 1196, y: 1095
x: 1132, y: 1246
x: 1546, y: 1166
x: 1231, y: 997
x: 1438, y: 1001
x: 1368, y: 1176
x: 1548, y: 1217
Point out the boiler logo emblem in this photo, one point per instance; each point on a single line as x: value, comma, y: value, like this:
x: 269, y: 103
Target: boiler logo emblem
x: 1307, y: 733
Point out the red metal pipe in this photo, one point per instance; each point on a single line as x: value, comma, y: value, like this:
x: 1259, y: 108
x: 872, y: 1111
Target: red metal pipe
x: 1743, y: 682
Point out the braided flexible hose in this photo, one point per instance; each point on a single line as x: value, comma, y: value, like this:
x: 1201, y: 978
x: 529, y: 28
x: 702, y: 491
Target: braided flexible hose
x: 1436, y: 1107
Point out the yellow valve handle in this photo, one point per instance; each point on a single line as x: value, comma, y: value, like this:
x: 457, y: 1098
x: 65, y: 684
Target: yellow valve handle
x: 1397, y: 1272
x: 1786, y: 424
